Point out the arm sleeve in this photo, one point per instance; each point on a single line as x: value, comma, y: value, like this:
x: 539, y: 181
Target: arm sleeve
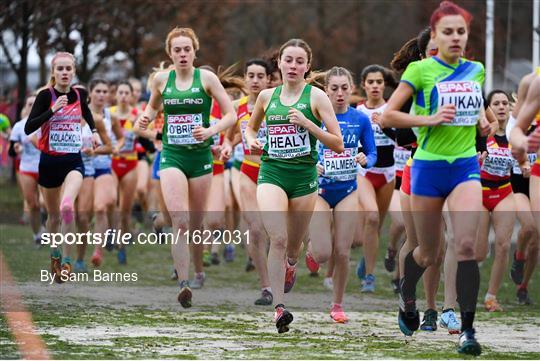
x: 86, y: 112
x: 41, y: 112
x: 481, y: 143
x: 405, y: 137
x: 368, y: 142
x: 147, y: 144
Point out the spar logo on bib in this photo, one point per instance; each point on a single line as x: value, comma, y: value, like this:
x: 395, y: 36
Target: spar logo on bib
x: 287, y: 141
x: 466, y: 96
x: 342, y: 166
x: 180, y: 128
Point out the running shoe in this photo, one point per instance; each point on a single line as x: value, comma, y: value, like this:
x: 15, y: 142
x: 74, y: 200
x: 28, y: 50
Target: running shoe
x: 97, y: 257
x: 228, y: 253
x: 214, y: 258
x: 408, y: 316
x: 449, y: 321
x: 429, y: 322
x: 492, y: 305
x: 37, y: 240
x: 184, y: 296
x: 395, y: 285
x: 468, y: 344
x: 80, y: 267
x: 328, y: 283
x: 516, y: 272
x: 67, y: 269
x: 109, y: 242
x: 390, y: 260
x: 282, y: 318
x: 312, y: 265
x: 266, y: 298
x: 361, y: 269
x: 198, y: 281
x: 337, y: 314
x: 122, y: 256
x: 290, y: 277
x: 174, y: 275
x: 56, y: 265
x: 249, y: 265
x: 206, y: 258
x: 368, y: 286
x: 523, y: 296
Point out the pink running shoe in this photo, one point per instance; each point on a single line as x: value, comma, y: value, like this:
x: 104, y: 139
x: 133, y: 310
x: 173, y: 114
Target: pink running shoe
x: 337, y: 314
x: 311, y: 264
x: 290, y: 277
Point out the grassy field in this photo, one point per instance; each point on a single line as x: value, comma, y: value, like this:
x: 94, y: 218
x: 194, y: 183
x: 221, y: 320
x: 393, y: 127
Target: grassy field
x: 143, y: 320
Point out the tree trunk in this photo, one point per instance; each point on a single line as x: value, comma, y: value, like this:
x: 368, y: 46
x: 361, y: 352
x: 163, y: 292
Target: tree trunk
x: 23, y: 53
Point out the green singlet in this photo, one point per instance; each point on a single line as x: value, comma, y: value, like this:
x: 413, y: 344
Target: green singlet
x: 290, y: 153
x: 183, y: 110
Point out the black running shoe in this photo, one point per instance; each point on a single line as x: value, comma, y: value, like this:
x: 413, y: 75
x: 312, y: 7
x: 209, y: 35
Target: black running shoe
x: 390, y: 260
x: 266, y: 298
x: 283, y: 318
x: 395, y: 286
x: 516, y: 272
x: 523, y: 297
x: 408, y: 317
x: 429, y: 322
x: 468, y: 344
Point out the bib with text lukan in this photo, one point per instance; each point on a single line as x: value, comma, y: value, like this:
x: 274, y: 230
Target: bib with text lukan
x: 341, y: 167
x: 180, y: 128
x: 287, y: 141
x: 466, y: 96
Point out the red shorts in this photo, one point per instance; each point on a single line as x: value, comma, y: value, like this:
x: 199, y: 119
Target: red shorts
x: 493, y: 196
x: 219, y: 167
x: 251, y: 169
x: 121, y: 167
x: 406, y: 180
x: 34, y: 175
x: 535, y: 169
x: 380, y: 179
x: 17, y: 164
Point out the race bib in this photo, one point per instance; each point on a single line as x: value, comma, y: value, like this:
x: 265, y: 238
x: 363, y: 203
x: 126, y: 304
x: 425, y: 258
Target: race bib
x: 216, y: 137
x: 261, y: 134
x: 340, y: 167
x: 499, y: 162
x: 381, y: 139
x: 180, y: 128
x: 401, y: 155
x: 287, y: 141
x: 65, y: 137
x: 466, y: 96
x: 532, y: 158
x: 129, y: 142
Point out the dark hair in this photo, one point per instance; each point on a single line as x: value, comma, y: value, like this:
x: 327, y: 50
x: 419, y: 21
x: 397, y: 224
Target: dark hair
x: 374, y: 68
x: 412, y: 50
x: 447, y: 8
x: 494, y: 92
x: 95, y: 82
x: 260, y: 62
x: 300, y: 43
x: 124, y: 82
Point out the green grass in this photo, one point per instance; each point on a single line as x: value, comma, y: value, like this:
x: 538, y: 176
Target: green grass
x: 227, y: 333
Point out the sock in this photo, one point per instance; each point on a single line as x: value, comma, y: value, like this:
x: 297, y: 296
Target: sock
x: 467, y: 285
x: 413, y: 272
x: 447, y: 310
x: 520, y: 256
x: 269, y: 289
x: 183, y: 283
x: 279, y: 305
x: 289, y: 262
x: 199, y: 275
x: 67, y: 210
x: 55, y: 252
x: 489, y: 296
x: 336, y: 304
x: 523, y: 286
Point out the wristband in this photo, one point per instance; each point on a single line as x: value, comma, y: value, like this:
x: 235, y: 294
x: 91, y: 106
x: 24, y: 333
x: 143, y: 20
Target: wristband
x: 159, y: 136
x: 94, y: 131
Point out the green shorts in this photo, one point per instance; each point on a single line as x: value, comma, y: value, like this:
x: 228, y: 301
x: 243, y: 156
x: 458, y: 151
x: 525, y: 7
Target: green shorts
x: 295, y: 179
x: 193, y: 162
x: 237, y: 163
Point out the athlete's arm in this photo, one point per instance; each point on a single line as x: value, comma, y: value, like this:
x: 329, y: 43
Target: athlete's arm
x: 106, y: 144
x: 257, y: 116
x: 215, y: 90
x: 395, y: 118
x: 233, y: 134
x: 331, y: 138
x: 41, y: 112
x: 529, y: 108
x: 367, y: 140
x: 118, y: 133
x: 523, y: 89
